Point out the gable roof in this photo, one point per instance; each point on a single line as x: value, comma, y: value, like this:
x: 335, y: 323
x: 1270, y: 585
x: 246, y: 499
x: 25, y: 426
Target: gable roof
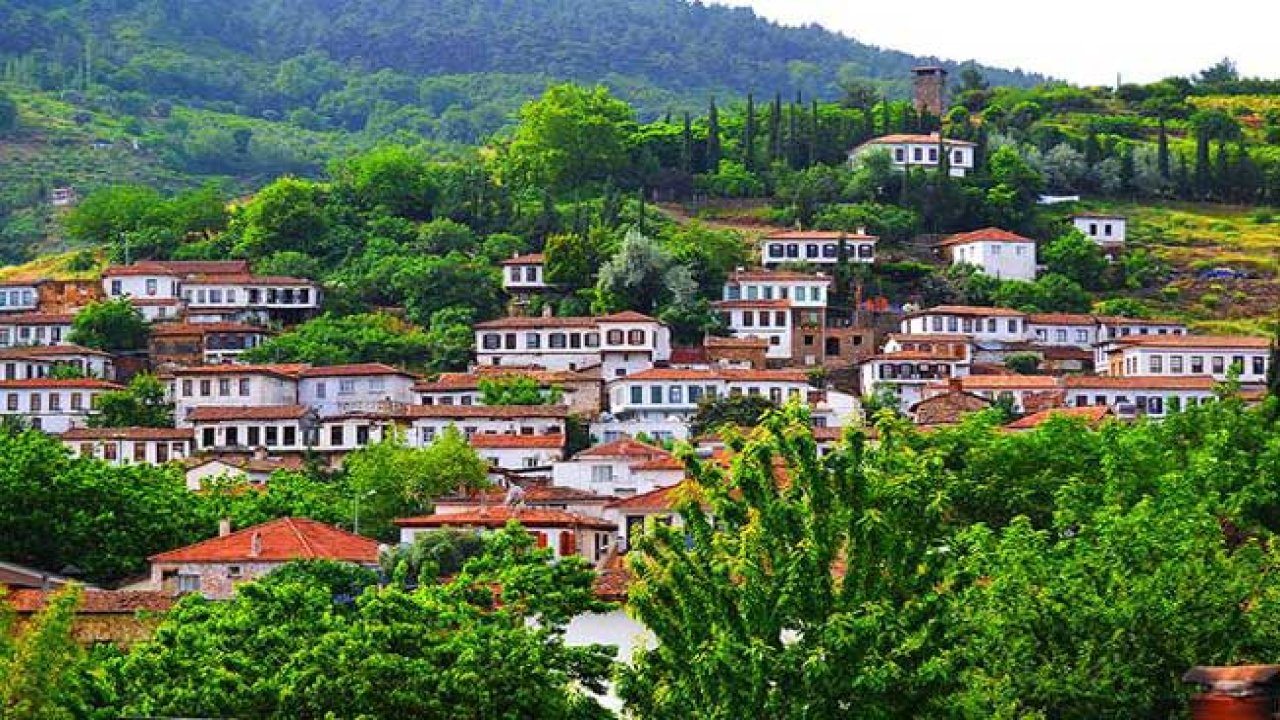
x: 286, y: 371
x: 179, y: 267
x: 221, y: 413
x: 914, y: 139
x: 530, y: 259
x: 53, y: 384
x: 128, y: 433
x: 95, y: 602
x: 624, y: 448
x: 967, y: 310
x: 628, y: 316
x: 663, y: 499
x: 819, y: 235
x: 499, y: 515
x: 502, y: 412
x: 355, y: 370
x: 1217, y: 342
x: 948, y: 408
x: 990, y: 234
x: 278, y: 541
x: 725, y: 374
x: 516, y: 442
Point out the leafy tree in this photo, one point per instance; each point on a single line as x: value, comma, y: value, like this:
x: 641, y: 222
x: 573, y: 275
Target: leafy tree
x: 287, y: 215
x: 1122, y: 307
x: 731, y: 410
x: 571, y: 260
x: 500, y: 246
x: 642, y: 276
x: 392, y: 178
x: 1077, y: 257
x: 105, y: 215
x: 451, y: 339
x: 571, y: 137
x: 110, y: 325
x: 434, y: 555
x: 44, y: 672
x: 710, y: 254
x: 290, y: 263
x: 143, y: 404
x: 517, y: 390
x: 444, y: 236
x: 430, y: 284
x: 1023, y: 363
x: 333, y: 340
x: 441, y: 651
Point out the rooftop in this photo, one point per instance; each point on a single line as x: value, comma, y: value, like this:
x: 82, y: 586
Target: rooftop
x: 820, y: 235
x: 278, y: 541
x: 1219, y: 342
x: 967, y: 310
x: 219, y: 413
x: 128, y: 433
x: 1092, y: 415
x: 499, y: 515
x: 991, y: 234
x: 724, y: 374
x: 516, y: 442
x: 531, y: 259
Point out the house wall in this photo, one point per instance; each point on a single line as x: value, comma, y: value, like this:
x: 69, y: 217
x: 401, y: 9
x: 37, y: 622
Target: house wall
x: 816, y: 252
x: 14, y: 334
x: 128, y: 452
x: 216, y: 580
x: 424, y: 431
x: 1215, y: 362
x: 335, y: 395
x: 248, y: 435
x: 156, y: 287
x: 19, y: 298
x: 523, y: 277
x: 1153, y: 403
x: 993, y: 328
x: 1104, y: 231
x: 1080, y: 336
x: 53, y: 411
x: 1003, y: 260
x: 230, y: 389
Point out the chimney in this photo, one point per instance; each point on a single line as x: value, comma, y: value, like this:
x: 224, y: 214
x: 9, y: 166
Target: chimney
x: 260, y: 453
x: 955, y: 385
x: 224, y: 527
x: 546, y: 311
x: 861, y: 230
x: 255, y: 545
x: 1244, y: 692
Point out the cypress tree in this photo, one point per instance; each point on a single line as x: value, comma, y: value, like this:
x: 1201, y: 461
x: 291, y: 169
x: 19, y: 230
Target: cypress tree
x: 1202, y: 163
x: 1162, y: 150
x: 793, y: 136
x: 814, y: 133
x: 749, y: 135
x: 1222, y: 179
x: 775, y: 129
x: 713, y: 138
x: 1092, y: 149
x: 686, y: 145
x: 1127, y: 171
x: 886, y: 116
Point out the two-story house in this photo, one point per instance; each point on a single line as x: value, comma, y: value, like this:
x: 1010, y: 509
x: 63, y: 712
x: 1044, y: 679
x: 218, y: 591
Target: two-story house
x: 998, y: 253
x: 524, y: 274
x: 617, y: 344
x: 817, y: 247
x: 124, y: 446
x: 211, y: 343
x: 620, y: 468
x: 1189, y: 355
x: 233, y: 386
x: 37, y: 328
x: 1107, y: 230
x: 253, y: 298
x: 53, y: 406
x: 929, y: 152
x: 787, y: 309
x: 339, y: 389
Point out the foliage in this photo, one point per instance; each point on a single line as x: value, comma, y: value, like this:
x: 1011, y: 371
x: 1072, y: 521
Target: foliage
x: 518, y: 389
x: 143, y: 404
x: 44, y: 673
x: 736, y: 411
x: 1078, y: 258
x: 643, y: 276
x: 110, y: 325
x: 432, y: 556
x: 364, y: 338
x: 452, y: 650
x: 570, y: 137
x: 1023, y: 363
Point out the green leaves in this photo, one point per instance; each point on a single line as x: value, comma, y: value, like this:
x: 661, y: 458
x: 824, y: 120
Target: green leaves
x: 110, y: 325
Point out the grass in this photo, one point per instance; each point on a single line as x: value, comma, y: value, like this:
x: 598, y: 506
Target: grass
x: 56, y: 267
x: 1195, y: 236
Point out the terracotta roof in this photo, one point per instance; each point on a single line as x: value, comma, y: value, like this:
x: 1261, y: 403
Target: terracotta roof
x: 990, y: 234
x: 248, y: 464
x: 613, y: 583
x: 689, y: 356
x: 909, y: 138
x: 625, y: 448
x: 129, y: 433
x: 1059, y: 352
x: 533, y: 495
x: 1141, y: 382
x: 733, y: 304
x: 179, y: 267
x: 498, y: 516
x: 23, y: 283
x: 1061, y: 319
x: 728, y: 375
x: 245, y: 279
x: 663, y: 499
x: 1098, y: 215
x: 780, y: 276
x: 1092, y: 415
x: 52, y: 384
x: 38, y: 318
x: 137, y: 270
x: 661, y: 464
x: 628, y: 316
x: 1008, y: 382
x: 219, y: 413
x: 968, y: 310
x: 1219, y: 342
x: 1118, y: 320
x: 94, y: 602
x: 938, y: 355
x: 930, y: 338
x: 819, y: 235
x: 179, y: 328
x: 713, y: 341
x: 516, y: 323
x: 278, y: 541
x: 948, y: 408
x: 485, y: 411
x: 154, y: 302
x: 516, y: 442
x: 60, y: 350
x: 471, y: 381
x: 355, y: 370
x: 288, y: 371
x: 531, y: 259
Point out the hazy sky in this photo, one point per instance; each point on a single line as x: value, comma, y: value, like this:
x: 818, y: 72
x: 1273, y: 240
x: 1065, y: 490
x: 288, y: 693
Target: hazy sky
x: 1085, y: 41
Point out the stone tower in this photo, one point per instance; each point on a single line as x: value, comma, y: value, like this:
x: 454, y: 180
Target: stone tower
x: 931, y: 89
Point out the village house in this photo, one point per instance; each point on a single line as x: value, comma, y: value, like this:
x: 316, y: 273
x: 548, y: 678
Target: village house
x: 519, y: 452
x: 1063, y: 330
x: 1186, y: 355
x: 618, y: 344
x: 212, y: 343
x: 20, y: 296
x: 620, y: 468
x: 245, y: 429
x: 637, y: 514
x: 533, y: 494
x: 998, y: 253
x: 1026, y: 393
x: 427, y: 422
x: 338, y: 389
x: 1108, y: 231
x: 249, y: 298
x: 21, y: 364
x: 910, y: 363
x: 124, y: 446
x: 233, y: 386
x: 254, y: 469
x: 215, y: 567
x: 155, y: 288
x: 524, y: 274
x: 787, y: 309
x: 580, y: 391
x: 53, y: 406
x: 37, y: 328
x: 817, y: 247
x: 984, y: 325
x: 909, y: 151
x: 1132, y: 396
x: 566, y: 534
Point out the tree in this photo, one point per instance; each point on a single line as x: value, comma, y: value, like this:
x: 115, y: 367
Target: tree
x: 743, y: 411
x: 44, y: 672
x: 142, y: 404
x: 571, y: 260
x: 444, y: 650
x: 430, y: 284
x: 392, y: 178
x: 333, y: 340
x: 713, y: 138
x: 749, y: 134
x: 106, y: 214
x: 516, y: 389
x: 451, y: 338
x: 1273, y: 367
x: 1077, y: 257
x: 642, y: 276
x: 288, y: 214
x: 1223, y: 71
x: 1023, y: 363
x: 570, y: 137
x: 290, y: 263
x: 432, y: 556
x: 110, y: 325
x: 441, y: 237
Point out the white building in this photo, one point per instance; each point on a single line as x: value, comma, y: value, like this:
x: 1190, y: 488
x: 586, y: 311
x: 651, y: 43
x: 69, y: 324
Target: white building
x: 234, y: 386
x: 35, y: 329
x: 672, y: 395
x: 19, y: 296
x: 775, y: 307
x: 982, y: 324
x: 270, y: 428
x: 920, y: 151
x: 427, y: 422
x: 998, y: 253
x: 216, y: 298
x: 524, y: 274
x: 53, y: 406
x: 621, y: 468
x: 1063, y: 330
x: 817, y: 247
x: 617, y: 344
x: 1139, y: 395
x: 907, y: 372
x: 339, y: 389
x: 1189, y: 355
x: 124, y: 446
x: 1108, y: 231
x: 519, y: 452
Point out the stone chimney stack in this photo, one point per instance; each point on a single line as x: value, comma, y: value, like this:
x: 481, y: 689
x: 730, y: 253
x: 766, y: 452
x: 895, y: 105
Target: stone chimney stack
x: 931, y: 90
x: 224, y: 527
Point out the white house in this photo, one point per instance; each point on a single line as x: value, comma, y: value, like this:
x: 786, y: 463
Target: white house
x: 1139, y: 395
x: 912, y: 366
x: 920, y: 151
x: 565, y: 533
x: 617, y: 344
x: 1109, y: 231
x: 36, y: 328
x: 982, y: 324
x: 1189, y: 355
x: 620, y: 468
x: 524, y: 274
x: 136, y: 445
x: 339, y: 389
x: 669, y: 395
x: 234, y: 386
x: 273, y: 428
x: 19, y: 296
x: 213, y: 298
x: 998, y: 253
x: 53, y: 406
x: 1063, y: 330
x: 427, y: 422
x: 817, y: 247
x: 519, y: 452
x: 786, y: 309
x: 1029, y: 393
x: 255, y: 470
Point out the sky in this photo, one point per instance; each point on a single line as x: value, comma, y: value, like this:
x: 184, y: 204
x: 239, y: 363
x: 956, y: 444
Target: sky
x: 1084, y: 41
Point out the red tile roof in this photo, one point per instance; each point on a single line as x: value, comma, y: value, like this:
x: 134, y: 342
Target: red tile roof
x: 734, y: 304
x: 179, y: 267
x: 356, y: 370
x: 219, y: 413
x: 498, y: 516
x: 1117, y: 320
x: 664, y: 499
x: 248, y: 464
x: 1061, y: 319
x: 713, y: 341
x: 689, y: 356
x: 94, y: 602
x: 531, y: 259
x: 819, y: 235
x: 1092, y: 415
x: 39, y: 318
x: 1141, y: 382
x: 516, y: 442
x: 59, y: 350
x: 51, y: 384
x: 968, y: 310
x: 517, y: 323
x: 227, y: 279
x: 1217, y: 342
x: 780, y: 276
x: 662, y: 464
x: 504, y: 412
x: 624, y: 448
x: 990, y: 234
x: 533, y: 495
x: 178, y: 328
x: 288, y: 371
x: 909, y: 138
x: 1008, y: 382
x: 629, y: 316
x: 728, y: 375
x: 278, y: 541
x: 129, y: 433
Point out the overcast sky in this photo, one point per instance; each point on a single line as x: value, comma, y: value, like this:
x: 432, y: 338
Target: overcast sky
x: 1084, y: 41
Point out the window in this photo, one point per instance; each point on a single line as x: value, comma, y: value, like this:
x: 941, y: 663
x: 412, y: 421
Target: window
x: 233, y: 436
x: 188, y: 583
x: 215, y: 295
x: 1093, y: 229
x: 695, y: 394
x: 208, y: 438
x: 337, y: 435
x: 1197, y: 365
x: 996, y: 249
x: 1106, y: 229
x: 917, y: 154
x: 866, y: 251
x: 35, y: 402
x: 377, y: 384
x: 1175, y: 364
x: 558, y: 341
x: 811, y: 251
x: 1259, y: 365
x: 186, y: 388
x: 776, y: 250
x: 77, y: 401
x: 532, y: 341
x: 153, y: 286
x: 491, y: 341
x: 1219, y: 365
x: 958, y: 157
x: 224, y: 387
x: 899, y: 155
x: 601, y: 473
x: 1155, y: 364
x: 509, y: 341
x: 1082, y: 336
x: 1060, y: 335
x: 793, y: 250
x: 675, y: 394
x: 637, y: 395
x: 748, y: 318
x: 255, y: 437
x: 515, y: 274
x: 235, y: 572
x: 272, y: 435
x: 655, y: 394
x: 322, y: 390
x: 830, y: 251
x: 1013, y: 326
x: 933, y: 154
x: 55, y: 402
x: 575, y: 341
x: 116, y: 287
x: 636, y: 337
x: 592, y: 340
x: 347, y: 386
x: 764, y: 318
x: 362, y: 435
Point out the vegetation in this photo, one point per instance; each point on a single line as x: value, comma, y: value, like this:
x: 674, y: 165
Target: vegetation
x: 111, y: 325
x: 142, y: 404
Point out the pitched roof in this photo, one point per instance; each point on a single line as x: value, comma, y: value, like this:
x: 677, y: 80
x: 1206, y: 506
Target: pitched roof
x: 991, y: 234
x: 516, y: 442
x: 355, y: 370
x: 1061, y: 319
x: 967, y: 310
x: 627, y: 316
x: 179, y: 267
x: 53, y: 350
x: 499, y: 515
x: 533, y: 495
x: 624, y: 448
x: 95, y: 602
x: 128, y: 433
x: 471, y: 381
x: 182, y: 328
x: 220, y: 413
x: 1217, y: 342
x: 1007, y: 382
x: 663, y: 499
x: 52, y: 384
x: 948, y: 408
x: 734, y: 304
x: 820, y: 235
x: 909, y: 138
x: 1141, y: 382
x: 517, y: 323
x: 1092, y: 415
x: 39, y: 318
x: 530, y: 259
x: 246, y: 279
x: 504, y: 412
x: 780, y: 276
x: 248, y: 464
x: 287, y: 371
x: 725, y: 374
x: 278, y: 541
x: 1120, y: 320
